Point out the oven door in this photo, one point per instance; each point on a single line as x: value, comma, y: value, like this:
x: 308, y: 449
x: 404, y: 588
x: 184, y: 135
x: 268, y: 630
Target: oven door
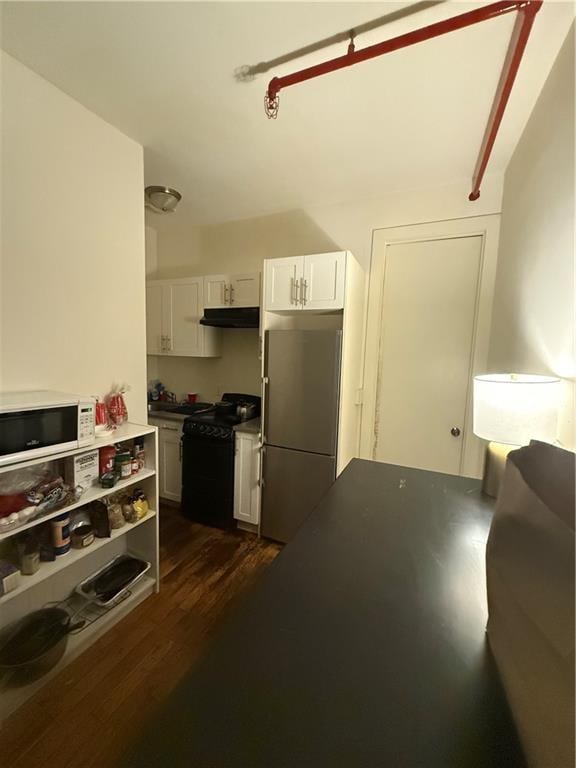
x: 36, y: 432
x: 208, y: 480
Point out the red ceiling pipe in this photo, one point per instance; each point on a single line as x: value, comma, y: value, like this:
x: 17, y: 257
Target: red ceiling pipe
x: 528, y: 9
x: 520, y: 34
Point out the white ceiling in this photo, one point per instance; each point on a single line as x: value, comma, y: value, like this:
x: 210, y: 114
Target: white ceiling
x: 163, y: 72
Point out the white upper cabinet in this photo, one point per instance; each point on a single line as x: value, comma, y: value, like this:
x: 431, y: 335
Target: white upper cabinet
x: 216, y: 288
x: 186, y: 308
x: 245, y: 290
x: 154, y: 334
x: 313, y: 282
x: 224, y: 291
x: 323, y: 284
x: 173, y: 312
x: 281, y: 281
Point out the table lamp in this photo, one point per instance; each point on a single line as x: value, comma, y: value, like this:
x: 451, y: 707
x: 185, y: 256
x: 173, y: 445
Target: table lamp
x: 510, y: 409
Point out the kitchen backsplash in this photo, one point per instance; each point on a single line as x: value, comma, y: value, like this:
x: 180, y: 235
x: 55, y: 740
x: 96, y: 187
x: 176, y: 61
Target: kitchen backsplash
x: 237, y: 370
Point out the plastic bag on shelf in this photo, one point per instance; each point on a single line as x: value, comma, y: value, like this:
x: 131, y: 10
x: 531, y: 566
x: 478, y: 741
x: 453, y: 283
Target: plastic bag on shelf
x: 16, y: 484
x: 24, y: 479
x: 116, y: 406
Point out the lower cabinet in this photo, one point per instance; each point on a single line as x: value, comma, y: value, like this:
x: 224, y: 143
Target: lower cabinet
x: 169, y: 459
x: 247, y: 478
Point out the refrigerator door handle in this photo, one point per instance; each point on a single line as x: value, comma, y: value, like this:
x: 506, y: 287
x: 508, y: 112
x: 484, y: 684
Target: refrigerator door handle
x: 265, y: 383
x: 261, y: 481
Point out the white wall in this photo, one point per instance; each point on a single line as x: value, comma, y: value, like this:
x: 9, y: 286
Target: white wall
x: 533, y: 326
x: 243, y: 245
x: 73, y: 269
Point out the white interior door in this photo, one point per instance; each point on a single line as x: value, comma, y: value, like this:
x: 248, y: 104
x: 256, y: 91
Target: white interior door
x: 281, y: 277
x: 185, y: 318
x: 153, y: 318
x: 324, y: 280
x: 426, y: 349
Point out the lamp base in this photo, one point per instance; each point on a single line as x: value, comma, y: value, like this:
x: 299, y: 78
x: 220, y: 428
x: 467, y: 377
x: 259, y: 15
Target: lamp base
x: 494, y: 466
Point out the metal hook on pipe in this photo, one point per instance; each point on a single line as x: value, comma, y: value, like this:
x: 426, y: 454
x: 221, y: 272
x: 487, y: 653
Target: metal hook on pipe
x: 351, y: 46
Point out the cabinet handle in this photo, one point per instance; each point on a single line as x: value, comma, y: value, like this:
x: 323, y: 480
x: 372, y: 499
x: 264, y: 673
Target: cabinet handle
x: 168, y: 344
x: 225, y: 294
x: 161, y: 343
x: 303, y: 291
x: 293, y: 291
x: 231, y: 289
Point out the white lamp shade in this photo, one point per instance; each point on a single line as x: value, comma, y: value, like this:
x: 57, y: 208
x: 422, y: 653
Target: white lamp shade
x: 516, y: 408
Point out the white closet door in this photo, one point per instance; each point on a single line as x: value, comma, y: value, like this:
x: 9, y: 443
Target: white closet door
x: 426, y: 346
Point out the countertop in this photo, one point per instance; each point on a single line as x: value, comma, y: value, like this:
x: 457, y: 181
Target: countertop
x: 252, y: 426
x: 166, y: 416
x: 362, y: 646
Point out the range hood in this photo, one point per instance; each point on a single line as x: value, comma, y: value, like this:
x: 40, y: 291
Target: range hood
x: 232, y: 317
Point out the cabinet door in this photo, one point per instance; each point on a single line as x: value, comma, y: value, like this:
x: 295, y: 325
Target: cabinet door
x: 154, y: 318
x: 185, y: 306
x: 246, y: 478
x: 245, y: 290
x: 216, y: 290
x: 281, y: 280
x: 323, y: 285
x: 170, y: 480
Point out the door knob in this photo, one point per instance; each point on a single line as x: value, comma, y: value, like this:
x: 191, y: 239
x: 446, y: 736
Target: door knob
x: 455, y: 432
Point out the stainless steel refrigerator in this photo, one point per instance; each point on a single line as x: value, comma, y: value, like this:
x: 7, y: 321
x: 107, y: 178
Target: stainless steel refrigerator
x: 301, y: 403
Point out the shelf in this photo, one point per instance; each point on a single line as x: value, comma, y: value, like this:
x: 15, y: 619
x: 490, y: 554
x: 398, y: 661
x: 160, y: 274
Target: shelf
x: 12, y: 698
x: 91, y: 494
x: 124, y: 433
x: 47, y: 570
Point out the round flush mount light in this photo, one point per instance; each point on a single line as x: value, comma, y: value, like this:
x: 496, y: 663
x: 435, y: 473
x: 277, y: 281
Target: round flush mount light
x: 161, y: 199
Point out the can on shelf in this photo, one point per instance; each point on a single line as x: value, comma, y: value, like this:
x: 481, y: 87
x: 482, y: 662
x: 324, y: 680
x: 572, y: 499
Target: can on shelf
x: 106, y: 459
x: 60, y: 527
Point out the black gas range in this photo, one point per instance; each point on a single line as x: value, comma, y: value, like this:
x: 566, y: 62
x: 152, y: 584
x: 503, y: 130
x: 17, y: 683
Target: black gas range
x: 208, y: 460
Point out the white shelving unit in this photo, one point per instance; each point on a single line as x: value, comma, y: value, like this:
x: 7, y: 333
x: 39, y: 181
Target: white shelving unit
x: 47, y: 570
x: 56, y: 580
x: 91, y: 494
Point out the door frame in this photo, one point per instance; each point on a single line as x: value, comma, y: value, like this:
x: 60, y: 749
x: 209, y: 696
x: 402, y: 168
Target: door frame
x: 486, y: 227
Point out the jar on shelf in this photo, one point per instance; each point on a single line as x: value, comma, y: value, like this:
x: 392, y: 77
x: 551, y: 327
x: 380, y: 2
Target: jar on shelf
x: 123, y: 464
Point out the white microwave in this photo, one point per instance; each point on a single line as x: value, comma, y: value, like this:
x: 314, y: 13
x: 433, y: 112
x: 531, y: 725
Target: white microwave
x: 40, y: 423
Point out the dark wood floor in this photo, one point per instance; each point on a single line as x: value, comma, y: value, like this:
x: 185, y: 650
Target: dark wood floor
x: 84, y: 717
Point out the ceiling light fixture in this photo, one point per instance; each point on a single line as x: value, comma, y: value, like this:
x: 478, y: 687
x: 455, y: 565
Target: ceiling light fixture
x: 161, y: 199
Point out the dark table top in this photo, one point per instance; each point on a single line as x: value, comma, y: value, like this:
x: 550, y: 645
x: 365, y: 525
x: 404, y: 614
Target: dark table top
x: 363, y: 645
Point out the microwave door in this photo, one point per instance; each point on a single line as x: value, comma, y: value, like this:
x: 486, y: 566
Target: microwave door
x: 36, y: 432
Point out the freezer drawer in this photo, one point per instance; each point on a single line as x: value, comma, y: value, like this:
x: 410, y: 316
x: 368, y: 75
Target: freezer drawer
x: 294, y: 483
x: 302, y: 389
